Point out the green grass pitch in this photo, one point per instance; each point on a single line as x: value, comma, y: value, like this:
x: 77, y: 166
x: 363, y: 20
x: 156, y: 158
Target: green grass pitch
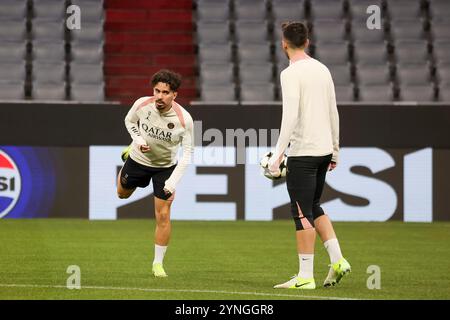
x: 215, y: 260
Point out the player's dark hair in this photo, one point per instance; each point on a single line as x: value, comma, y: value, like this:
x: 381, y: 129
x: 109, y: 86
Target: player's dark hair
x: 173, y: 79
x: 295, y: 33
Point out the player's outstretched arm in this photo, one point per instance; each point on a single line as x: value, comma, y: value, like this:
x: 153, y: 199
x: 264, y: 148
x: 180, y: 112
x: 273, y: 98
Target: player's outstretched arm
x: 187, y: 144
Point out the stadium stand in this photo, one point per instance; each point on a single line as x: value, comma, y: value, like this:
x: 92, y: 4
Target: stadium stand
x: 48, y: 50
x: 233, y: 44
x: 142, y: 37
x: 257, y: 91
x: 287, y: 10
x: 213, y: 11
x: 332, y: 53
x: 393, y: 63
x: 86, y: 53
x: 111, y: 57
x: 439, y: 27
x: 222, y: 74
x: 215, y: 53
x: 379, y: 93
x: 13, y: 49
x: 38, y: 50
x: 249, y: 10
x: 326, y: 10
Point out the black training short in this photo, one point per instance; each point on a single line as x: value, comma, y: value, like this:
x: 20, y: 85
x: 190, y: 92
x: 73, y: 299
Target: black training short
x: 305, y: 179
x: 135, y: 175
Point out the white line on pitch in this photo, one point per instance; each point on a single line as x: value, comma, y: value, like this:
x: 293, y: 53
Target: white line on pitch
x: 177, y: 290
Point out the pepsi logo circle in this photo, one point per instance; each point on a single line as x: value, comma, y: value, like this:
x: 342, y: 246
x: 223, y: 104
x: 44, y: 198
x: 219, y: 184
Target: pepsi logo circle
x: 10, y: 184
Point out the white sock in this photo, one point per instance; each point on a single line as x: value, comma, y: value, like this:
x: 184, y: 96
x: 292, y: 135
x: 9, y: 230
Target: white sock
x: 160, y: 251
x: 306, y: 266
x: 334, y: 250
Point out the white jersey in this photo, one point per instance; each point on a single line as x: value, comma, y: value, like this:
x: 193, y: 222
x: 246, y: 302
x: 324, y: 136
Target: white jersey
x: 310, y: 121
x: 163, y: 133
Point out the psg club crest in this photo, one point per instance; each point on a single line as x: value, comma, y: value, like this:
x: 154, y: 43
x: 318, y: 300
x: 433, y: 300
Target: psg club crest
x: 10, y: 184
x: 170, y: 125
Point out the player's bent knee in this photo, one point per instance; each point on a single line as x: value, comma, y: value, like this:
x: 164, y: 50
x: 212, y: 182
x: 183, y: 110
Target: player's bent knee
x: 123, y: 195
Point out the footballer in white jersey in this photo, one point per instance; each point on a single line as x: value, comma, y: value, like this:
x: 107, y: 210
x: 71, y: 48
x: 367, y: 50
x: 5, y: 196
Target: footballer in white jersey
x: 158, y: 127
x: 310, y: 124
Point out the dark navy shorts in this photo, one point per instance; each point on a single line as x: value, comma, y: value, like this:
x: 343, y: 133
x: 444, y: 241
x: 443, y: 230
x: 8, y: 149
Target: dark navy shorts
x: 135, y: 175
x: 305, y: 180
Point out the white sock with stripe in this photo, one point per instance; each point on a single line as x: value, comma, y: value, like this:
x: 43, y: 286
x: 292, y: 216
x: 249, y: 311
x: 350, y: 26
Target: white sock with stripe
x: 306, y: 266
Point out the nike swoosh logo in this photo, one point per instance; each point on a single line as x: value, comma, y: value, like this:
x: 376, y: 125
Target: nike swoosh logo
x: 301, y: 285
x: 303, y: 259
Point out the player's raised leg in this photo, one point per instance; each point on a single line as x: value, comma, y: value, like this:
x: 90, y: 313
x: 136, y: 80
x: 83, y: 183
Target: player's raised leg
x: 162, y: 235
x: 122, y: 192
x: 125, y: 153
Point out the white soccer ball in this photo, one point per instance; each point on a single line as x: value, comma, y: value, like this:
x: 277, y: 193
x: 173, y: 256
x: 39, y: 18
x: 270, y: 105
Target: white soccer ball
x: 264, y: 163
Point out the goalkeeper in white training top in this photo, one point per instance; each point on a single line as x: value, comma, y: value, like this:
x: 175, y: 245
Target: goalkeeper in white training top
x: 310, y: 123
x: 158, y: 126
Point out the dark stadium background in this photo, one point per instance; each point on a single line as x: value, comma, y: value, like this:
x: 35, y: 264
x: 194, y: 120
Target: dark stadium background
x: 68, y: 89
